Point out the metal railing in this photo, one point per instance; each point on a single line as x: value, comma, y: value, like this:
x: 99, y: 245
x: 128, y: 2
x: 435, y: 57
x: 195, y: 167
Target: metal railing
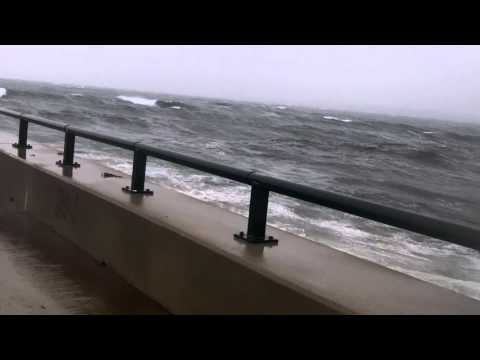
x: 260, y: 184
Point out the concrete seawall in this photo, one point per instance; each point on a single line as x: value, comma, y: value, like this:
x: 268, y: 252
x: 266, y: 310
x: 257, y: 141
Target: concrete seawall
x: 181, y: 253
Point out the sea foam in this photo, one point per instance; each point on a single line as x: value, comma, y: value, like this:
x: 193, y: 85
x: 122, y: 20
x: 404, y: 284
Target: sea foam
x: 138, y: 100
x: 336, y: 118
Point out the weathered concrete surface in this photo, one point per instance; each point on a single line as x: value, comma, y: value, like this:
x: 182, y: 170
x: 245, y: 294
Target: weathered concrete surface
x: 42, y: 273
x: 181, y: 253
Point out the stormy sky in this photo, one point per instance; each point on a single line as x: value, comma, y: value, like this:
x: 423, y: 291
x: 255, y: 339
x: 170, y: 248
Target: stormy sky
x: 420, y: 80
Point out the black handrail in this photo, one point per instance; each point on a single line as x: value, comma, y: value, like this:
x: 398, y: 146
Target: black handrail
x: 261, y: 186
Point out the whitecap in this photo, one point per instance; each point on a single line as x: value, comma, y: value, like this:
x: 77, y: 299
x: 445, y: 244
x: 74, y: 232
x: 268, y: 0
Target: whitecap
x: 3, y: 92
x: 281, y: 107
x: 76, y: 94
x: 277, y: 209
x: 270, y: 114
x: 342, y: 228
x: 213, y: 145
x: 237, y: 195
x: 138, y: 100
x: 176, y: 107
x: 336, y: 118
x: 292, y: 229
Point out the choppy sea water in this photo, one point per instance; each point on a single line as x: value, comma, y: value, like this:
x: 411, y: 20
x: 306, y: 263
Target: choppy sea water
x: 422, y: 165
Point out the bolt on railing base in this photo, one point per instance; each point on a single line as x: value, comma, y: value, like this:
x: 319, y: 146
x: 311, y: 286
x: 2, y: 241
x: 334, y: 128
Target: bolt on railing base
x: 270, y: 241
x: 74, y: 165
x: 17, y: 146
x: 140, y: 192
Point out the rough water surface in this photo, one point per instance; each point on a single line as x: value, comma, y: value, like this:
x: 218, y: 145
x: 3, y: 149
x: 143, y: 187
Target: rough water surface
x: 426, y: 166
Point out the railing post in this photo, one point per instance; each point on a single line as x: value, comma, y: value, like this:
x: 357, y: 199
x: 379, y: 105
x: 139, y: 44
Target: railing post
x: 68, y: 151
x: 138, y: 174
x: 257, y: 218
x: 22, y: 135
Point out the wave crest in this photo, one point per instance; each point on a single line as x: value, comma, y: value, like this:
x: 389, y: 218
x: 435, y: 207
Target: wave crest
x: 137, y: 100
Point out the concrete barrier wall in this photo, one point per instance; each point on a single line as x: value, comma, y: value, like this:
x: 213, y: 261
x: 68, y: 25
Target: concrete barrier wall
x: 181, y: 252
x: 12, y: 191
x: 180, y: 274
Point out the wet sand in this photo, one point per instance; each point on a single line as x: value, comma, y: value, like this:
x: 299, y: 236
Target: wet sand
x: 42, y: 273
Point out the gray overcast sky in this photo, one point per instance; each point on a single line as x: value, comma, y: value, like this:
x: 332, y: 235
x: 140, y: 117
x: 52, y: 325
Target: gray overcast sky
x: 422, y: 80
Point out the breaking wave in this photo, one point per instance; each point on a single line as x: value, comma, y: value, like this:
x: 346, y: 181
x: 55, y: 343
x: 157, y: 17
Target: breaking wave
x: 138, y: 100
x: 336, y: 118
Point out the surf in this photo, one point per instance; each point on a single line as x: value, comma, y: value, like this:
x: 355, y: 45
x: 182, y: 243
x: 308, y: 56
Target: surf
x: 137, y: 100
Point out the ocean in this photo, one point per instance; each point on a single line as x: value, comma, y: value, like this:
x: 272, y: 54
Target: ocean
x: 427, y: 166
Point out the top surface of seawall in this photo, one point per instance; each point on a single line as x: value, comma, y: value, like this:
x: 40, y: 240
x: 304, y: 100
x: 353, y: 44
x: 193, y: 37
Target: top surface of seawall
x: 335, y: 280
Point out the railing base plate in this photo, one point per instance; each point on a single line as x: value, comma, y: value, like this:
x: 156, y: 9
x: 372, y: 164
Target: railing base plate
x: 131, y: 191
x: 270, y: 241
x: 74, y: 165
x: 21, y: 147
